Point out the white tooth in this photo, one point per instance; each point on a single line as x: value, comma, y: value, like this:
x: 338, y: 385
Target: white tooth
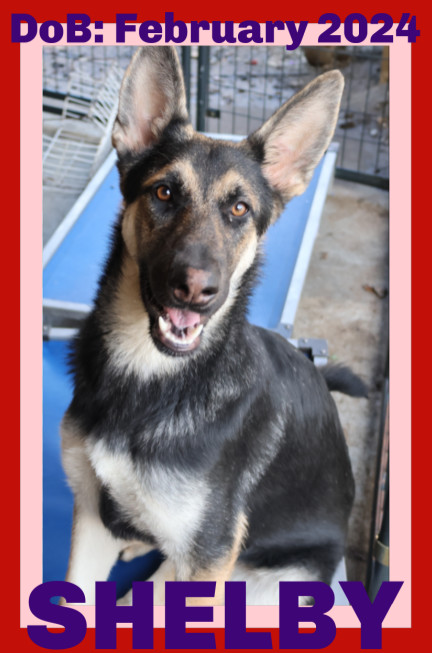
x: 164, y: 326
x: 183, y: 340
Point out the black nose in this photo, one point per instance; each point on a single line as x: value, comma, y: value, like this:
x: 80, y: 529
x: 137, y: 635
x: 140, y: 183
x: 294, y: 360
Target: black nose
x: 195, y: 286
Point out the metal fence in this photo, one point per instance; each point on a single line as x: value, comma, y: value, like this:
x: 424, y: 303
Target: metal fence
x: 233, y: 89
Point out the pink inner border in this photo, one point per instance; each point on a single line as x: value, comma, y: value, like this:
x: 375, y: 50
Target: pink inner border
x: 400, y: 335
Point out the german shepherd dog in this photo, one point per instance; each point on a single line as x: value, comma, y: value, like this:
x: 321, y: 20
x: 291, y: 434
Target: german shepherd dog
x: 191, y: 431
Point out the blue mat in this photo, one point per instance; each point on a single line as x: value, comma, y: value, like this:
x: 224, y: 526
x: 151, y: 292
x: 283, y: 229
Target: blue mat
x: 71, y: 275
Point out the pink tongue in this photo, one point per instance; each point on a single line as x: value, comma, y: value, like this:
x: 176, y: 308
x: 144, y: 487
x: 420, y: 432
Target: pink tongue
x: 181, y: 318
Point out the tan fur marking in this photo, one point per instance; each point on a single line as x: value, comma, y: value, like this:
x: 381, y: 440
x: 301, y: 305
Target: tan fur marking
x: 72, y: 548
x: 246, y: 250
x: 129, y: 342
x: 246, y: 253
x: 189, y: 177
x: 165, y: 573
x: 159, y: 175
x: 129, y: 230
x: 226, y: 184
x: 222, y: 569
x: 80, y: 474
x: 135, y: 549
x: 186, y: 171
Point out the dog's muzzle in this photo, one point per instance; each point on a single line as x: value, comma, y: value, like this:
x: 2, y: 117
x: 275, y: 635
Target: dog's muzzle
x: 183, y: 305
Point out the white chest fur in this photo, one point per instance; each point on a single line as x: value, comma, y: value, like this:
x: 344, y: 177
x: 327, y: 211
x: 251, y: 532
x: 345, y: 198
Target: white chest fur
x: 169, y: 506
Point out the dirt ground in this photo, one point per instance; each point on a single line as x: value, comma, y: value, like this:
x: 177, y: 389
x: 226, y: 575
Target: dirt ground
x: 345, y: 300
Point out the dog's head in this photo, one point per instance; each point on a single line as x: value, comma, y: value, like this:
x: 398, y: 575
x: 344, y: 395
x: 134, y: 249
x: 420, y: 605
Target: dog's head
x: 196, y: 208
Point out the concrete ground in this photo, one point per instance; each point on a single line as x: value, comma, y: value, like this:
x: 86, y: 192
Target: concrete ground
x: 345, y: 300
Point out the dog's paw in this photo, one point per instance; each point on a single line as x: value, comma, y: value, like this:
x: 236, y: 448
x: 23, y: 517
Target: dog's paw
x: 159, y: 596
x: 134, y: 550
x: 126, y: 599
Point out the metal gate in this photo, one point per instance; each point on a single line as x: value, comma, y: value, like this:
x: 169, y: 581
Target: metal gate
x: 233, y: 89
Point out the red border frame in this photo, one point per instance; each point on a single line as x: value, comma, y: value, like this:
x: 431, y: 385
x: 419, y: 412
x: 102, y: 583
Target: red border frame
x: 346, y: 639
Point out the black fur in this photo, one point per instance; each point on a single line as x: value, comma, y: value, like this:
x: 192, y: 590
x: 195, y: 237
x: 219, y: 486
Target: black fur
x: 340, y: 378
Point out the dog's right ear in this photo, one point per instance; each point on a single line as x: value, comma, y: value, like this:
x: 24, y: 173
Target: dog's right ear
x: 151, y: 95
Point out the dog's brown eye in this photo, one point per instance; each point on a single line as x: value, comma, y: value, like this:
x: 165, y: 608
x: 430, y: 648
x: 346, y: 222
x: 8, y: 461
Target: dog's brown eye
x: 239, y: 209
x: 163, y: 193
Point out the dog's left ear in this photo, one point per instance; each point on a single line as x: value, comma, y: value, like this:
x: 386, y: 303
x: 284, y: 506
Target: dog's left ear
x: 293, y: 140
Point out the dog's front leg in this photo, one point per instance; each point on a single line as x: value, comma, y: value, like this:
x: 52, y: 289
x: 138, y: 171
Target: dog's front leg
x: 93, y: 553
x: 165, y: 572
x: 94, y: 550
x: 218, y: 570
x: 186, y: 567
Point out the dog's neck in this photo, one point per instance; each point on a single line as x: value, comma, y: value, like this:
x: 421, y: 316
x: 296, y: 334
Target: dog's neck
x: 129, y: 344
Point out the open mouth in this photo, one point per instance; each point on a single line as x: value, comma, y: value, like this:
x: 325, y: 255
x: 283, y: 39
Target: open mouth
x: 178, y: 329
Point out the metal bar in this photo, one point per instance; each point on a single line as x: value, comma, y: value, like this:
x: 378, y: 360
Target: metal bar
x: 66, y: 225
x: 203, y: 83
x: 365, y: 111
x: 376, y: 572
x: 362, y: 178
x: 380, y: 132
x: 186, y: 65
x: 249, y: 100
x: 59, y: 333
x: 58, y: 306
x: 346, y: 108
x: 310, y: 232
x: 226, y: 137
x: 219, y: 95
